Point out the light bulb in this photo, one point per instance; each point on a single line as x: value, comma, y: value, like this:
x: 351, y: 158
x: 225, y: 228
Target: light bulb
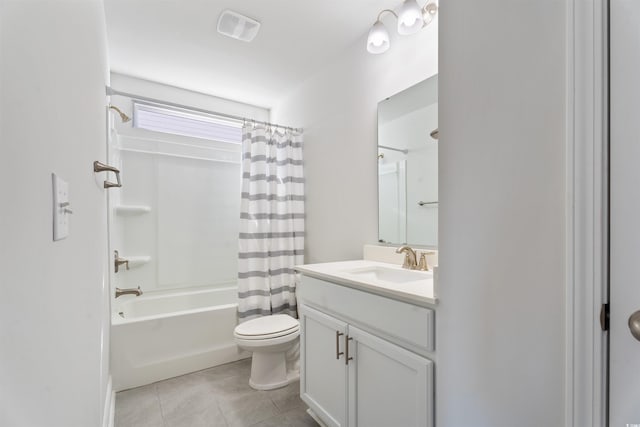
x: 431, y: 8
x: 429, y: 12
x: 409, y: 18
x: 378, y: 39
x: 409, y: 21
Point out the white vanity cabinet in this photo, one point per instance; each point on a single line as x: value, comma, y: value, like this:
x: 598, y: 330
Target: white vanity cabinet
x: 360, y: 366
x: 323, y: 372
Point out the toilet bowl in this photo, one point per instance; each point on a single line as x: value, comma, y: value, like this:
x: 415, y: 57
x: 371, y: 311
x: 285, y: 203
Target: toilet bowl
x: 269, y: 338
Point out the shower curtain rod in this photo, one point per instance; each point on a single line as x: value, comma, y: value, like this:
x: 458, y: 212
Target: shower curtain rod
x: 111, y: 91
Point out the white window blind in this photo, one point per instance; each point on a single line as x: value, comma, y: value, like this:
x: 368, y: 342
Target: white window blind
x: 187, y: 123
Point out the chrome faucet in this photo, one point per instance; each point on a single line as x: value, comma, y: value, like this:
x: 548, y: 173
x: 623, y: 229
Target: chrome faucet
x: 410, y: 261
x: 131, y: 291
x: 119, y: 261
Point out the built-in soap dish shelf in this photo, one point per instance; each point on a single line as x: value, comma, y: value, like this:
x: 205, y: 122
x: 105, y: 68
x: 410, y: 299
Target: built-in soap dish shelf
x: 137, y: 261
x: 130, y: 210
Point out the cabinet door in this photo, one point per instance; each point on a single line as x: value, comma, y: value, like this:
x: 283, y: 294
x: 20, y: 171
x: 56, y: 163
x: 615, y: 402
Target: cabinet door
x: 388, y: 385
x: 323, y: 372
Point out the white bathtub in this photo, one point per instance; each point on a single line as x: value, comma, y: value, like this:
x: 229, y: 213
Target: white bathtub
x: 161, y: 335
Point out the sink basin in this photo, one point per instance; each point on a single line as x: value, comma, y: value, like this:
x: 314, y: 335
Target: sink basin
x: 390, y: 275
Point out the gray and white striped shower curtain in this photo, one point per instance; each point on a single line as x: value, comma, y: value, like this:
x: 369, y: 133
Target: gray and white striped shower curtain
x: 271, y: 222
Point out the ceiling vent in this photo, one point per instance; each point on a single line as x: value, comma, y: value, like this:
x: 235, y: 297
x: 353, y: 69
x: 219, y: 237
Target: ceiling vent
x: 236, y: 26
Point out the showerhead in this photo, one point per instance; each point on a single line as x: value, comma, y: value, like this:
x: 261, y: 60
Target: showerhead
x: 123, y: 116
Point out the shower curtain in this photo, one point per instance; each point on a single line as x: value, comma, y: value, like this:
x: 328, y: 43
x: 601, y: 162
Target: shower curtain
x: 271, y: 222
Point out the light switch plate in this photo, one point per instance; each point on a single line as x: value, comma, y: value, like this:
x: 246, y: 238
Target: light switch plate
x: 60, y: 208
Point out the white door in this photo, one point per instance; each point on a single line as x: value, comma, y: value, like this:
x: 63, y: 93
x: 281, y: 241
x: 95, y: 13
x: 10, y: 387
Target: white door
x: 624, y: 298
x: 323, y: 372
x: 388, y: 385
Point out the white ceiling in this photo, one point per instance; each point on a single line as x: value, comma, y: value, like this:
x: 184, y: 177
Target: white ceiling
x: 175, y: 42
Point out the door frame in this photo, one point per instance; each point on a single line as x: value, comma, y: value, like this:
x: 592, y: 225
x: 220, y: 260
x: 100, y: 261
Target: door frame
x: 586, y: 222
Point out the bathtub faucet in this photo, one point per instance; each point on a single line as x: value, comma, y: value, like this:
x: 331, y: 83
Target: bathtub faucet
x: 130, y: 291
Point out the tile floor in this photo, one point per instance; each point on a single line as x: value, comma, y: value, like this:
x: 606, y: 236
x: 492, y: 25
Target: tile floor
x: 218, y: 396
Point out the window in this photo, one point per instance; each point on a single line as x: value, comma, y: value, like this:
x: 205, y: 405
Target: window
x: 184, y: 122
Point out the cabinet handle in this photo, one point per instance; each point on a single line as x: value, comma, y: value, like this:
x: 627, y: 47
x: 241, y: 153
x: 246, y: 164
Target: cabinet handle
x: 346, y: 349
x: 338, y: 352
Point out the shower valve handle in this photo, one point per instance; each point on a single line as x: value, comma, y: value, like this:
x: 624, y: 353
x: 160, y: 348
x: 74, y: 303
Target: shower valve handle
x: 101, y: 167
x: 117, y: 261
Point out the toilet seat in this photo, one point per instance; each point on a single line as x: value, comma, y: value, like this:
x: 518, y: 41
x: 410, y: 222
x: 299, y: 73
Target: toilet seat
x: 267, y: 327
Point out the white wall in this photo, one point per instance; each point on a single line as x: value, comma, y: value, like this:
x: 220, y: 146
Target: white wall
x: 54, y: 309
x: 502, y: 210
x: 338, y: 109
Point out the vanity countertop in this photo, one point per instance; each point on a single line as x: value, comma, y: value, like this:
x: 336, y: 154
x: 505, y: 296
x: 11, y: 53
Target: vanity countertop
x: 416, y: 288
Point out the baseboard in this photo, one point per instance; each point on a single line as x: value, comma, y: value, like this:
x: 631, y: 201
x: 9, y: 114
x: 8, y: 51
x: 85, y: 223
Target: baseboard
x: 109, y: 405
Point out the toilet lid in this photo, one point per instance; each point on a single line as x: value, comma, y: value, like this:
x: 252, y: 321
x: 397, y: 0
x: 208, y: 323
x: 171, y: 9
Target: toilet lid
x: 267, y: 327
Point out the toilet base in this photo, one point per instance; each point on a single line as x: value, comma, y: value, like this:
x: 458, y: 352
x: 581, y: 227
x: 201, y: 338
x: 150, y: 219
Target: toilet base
x: 268, y: 371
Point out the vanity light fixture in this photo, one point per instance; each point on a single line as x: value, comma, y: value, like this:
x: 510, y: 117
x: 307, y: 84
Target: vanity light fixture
x: 411, y: 19
x: 429, y: 12
x: 378, y: 39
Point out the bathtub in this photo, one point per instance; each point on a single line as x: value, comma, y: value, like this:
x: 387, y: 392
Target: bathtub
x: 160, y: 335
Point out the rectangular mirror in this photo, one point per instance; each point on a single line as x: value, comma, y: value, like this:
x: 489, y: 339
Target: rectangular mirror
x: 408, y: 166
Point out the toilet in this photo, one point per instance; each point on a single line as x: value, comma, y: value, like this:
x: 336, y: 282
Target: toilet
x: 270, y: 339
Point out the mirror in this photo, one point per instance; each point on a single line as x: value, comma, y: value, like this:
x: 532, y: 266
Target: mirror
x: 408, y: 166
